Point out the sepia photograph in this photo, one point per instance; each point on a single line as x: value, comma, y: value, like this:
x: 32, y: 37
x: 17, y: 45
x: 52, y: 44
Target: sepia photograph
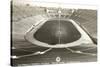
x: 44, y: 34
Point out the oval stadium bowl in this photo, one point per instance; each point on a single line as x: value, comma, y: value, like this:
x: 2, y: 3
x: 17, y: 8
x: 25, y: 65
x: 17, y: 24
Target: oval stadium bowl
x: 57, y: 33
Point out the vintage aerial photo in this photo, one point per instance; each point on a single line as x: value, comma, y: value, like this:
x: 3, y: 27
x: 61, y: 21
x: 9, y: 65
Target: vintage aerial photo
x: 42, y: 35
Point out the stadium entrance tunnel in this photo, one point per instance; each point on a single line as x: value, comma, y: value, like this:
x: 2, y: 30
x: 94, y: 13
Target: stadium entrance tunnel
x: 57, y: 33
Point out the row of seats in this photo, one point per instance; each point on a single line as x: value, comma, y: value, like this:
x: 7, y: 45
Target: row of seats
x: 21, y: 12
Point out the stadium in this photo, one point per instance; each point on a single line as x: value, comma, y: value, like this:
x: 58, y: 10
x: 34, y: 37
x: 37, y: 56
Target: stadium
x: 50, y: 35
